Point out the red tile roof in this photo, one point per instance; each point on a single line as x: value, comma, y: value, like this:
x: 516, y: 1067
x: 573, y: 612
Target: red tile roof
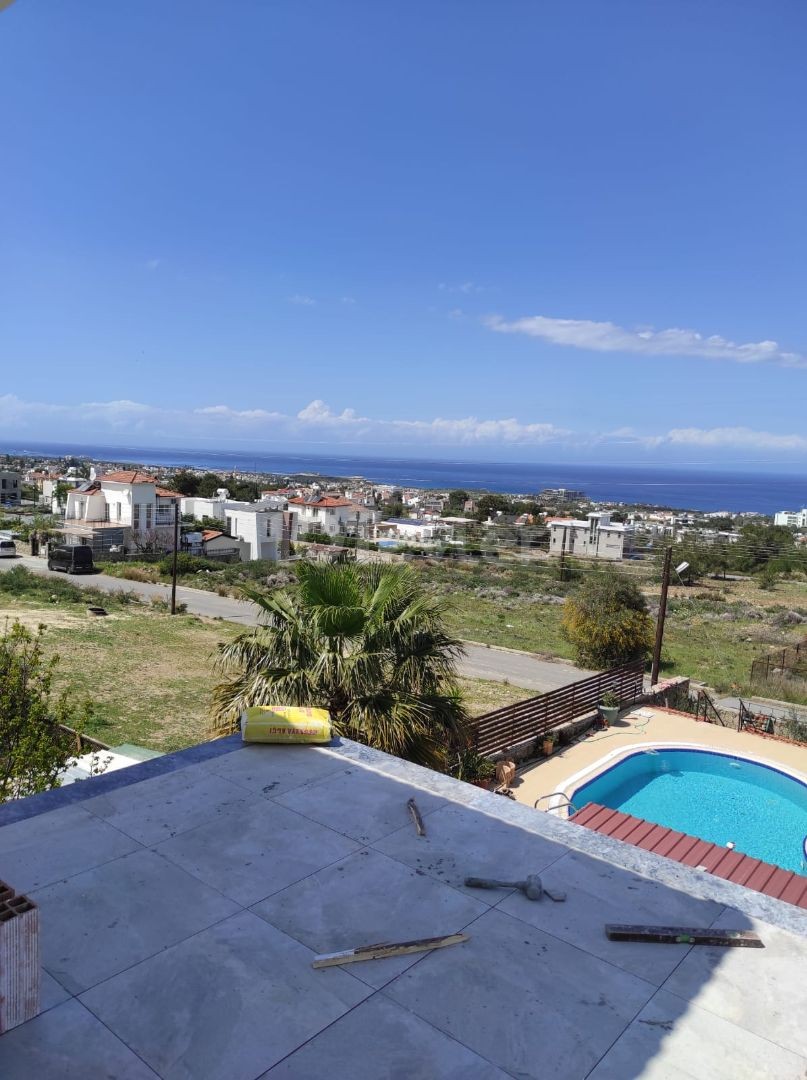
x: 721, y: 861
x: 129, y: 477
x: 211, y: 534
x: 166, y: 493
x: 324, y: 501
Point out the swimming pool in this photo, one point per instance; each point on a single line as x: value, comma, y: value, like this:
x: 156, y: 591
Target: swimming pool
x: 713, y: 796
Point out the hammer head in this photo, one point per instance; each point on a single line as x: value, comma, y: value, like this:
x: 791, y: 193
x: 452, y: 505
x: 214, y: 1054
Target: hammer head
x: 532, y: 887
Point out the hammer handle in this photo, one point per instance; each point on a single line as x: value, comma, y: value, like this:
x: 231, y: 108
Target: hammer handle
x: 491, y: 883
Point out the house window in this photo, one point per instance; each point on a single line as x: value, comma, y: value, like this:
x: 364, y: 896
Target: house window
x: 117, y: 511
x: 106, y: 511
x: 149, y: 516
x: 135, y: 515
x: 230, y: 527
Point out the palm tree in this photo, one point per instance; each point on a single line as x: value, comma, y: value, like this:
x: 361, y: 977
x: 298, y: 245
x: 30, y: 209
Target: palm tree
x: 364, y: 642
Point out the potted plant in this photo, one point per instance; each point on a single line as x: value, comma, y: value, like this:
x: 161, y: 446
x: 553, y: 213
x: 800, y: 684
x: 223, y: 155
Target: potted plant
x: 475, y: 769
x: 549, y: 743
x: 609, y: 707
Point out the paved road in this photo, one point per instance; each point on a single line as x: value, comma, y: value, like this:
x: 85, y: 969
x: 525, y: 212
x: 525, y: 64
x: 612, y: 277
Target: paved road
x: 781, y: 712
x: 498, y: 665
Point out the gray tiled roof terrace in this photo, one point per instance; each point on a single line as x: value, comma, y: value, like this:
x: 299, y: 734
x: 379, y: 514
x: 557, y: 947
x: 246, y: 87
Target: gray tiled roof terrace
x: 184, y: 899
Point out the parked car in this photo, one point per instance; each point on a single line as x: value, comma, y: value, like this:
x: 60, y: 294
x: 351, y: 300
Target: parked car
x: 73, y: 559
x: 8, y: 549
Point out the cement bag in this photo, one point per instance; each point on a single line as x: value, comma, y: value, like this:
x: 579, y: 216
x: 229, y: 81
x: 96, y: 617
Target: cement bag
x: 285, y: 724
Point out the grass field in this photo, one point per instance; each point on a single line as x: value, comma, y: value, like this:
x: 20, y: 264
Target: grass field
x: 149, y: 675
x: 714, y: 629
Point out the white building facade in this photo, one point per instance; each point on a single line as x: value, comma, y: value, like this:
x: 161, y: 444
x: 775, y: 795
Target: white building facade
x: 793, y: 519
x: 597, y: 537
x: 125, y: 509
x: 334, y: 516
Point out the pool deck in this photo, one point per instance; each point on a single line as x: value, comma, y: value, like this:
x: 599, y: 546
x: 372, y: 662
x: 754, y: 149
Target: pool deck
x: 639, y: 728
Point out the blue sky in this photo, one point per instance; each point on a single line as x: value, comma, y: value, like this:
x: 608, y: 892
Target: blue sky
x: 515, y: 230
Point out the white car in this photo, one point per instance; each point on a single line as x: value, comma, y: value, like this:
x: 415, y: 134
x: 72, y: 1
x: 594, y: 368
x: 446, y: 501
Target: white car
x: 8, y: 549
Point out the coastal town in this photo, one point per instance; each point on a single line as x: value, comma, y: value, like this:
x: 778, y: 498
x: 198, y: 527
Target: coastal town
x: 120, y: 509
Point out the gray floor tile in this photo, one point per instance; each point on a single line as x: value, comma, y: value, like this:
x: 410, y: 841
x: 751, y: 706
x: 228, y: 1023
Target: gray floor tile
x: 226, y: 1004
x: 49, y: 847
x: 360, y: 803
x: 672, y: 1039
x: 53, y: 993
x: 258, y: 851
x: 67, y: 1043
x: 461, y: 842
x: 403, y: 1047
x: 733, y: 982
x: 273, y: 770
x: 158, y: 809
x: 531, y: 1004
x: 597, y: 893
x: 100, y: 922
x: 365, y: 899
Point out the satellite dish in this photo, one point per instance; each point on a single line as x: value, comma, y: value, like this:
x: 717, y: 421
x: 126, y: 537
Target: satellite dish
x: 682, y: 567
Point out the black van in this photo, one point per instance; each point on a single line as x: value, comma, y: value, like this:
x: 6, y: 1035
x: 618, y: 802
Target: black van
x: 72, y: 559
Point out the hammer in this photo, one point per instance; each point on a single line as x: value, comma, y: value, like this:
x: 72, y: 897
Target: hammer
x: 531, y: 887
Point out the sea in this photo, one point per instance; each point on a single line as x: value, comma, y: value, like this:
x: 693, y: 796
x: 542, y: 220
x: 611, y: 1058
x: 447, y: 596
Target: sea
x: 688, y: 488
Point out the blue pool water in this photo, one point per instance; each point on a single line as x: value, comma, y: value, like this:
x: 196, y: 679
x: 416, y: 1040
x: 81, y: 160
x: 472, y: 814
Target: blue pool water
x: 716, y: 797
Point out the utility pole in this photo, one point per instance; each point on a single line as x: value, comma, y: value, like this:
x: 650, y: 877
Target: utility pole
x: 563, y: 554
x: 174, y: 560
x: 662, y: 613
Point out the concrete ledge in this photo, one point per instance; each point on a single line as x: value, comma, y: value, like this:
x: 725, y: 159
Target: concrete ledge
x: 20, y: 809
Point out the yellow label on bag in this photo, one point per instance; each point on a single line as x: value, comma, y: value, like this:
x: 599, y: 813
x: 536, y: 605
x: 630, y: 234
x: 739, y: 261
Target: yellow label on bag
x: 285, y: 724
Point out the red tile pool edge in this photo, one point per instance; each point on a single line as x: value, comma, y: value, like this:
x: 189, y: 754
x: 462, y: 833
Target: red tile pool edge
x: 689, y: 850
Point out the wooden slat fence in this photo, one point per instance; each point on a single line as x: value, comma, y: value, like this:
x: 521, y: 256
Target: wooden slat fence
x: 507, y: 727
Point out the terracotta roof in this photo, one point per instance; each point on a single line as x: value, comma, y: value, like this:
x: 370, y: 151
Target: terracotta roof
x: 166, y: 493
x: 324, y: 501
x: 131, y: 476
x: 211, y: 534
x: 721, y: 861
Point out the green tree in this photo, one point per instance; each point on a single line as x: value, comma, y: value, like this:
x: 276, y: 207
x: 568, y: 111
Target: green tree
x: 209, y: 483
x: 363, y: 641
x: 607, y: 621
x: 455, y: 506
x: 33, y: 747
x: 185, y: 482
x: 487, y: 506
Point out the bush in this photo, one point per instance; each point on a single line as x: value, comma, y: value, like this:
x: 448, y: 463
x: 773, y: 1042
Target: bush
x: 187, y: 564
x: 34, y: 747
x: 159, y: 603
x: 607, y: 621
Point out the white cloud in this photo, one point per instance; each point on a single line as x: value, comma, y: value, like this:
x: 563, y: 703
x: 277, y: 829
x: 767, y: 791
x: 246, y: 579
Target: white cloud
x: 467, y: 288
x: 300, y: 298
x: 317, y: 421
x: 608, y: 337
x: 348, y: 300
x: 736, y: 436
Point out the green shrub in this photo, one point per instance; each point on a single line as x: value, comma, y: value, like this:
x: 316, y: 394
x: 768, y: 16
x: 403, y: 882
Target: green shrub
x: 187, y: 564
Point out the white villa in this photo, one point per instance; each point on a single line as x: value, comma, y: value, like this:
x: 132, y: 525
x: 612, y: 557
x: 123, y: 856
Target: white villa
x: 122, y: 509
x: 334, y: 515
x: 264, y: 529
x: 596, y: 537
x: 793, y: 519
